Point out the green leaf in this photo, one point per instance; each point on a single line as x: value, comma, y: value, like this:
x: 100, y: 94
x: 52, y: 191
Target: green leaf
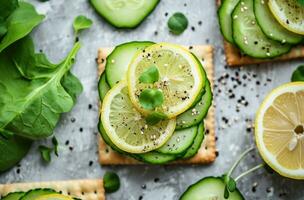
x: 151, y: 98
x: 12, y: 150
x: 80, y: 23
x: 34, y: 92
x: 301, y: 2
x: 231, y: 185
x: 7, y: 7
x: 150, y: 75
x: 111, y: 182
x: 298, y: 74
x: 178, y: 23
x: 45, y: 153
x: 155, y: 117
x: 3, y: 29
x: 20, y: 23
x: 55, y: 143
x: 226, y: 192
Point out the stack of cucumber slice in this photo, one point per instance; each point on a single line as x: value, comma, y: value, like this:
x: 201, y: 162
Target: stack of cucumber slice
x: 38, y: 194
x: 164, y: 133
x: 262, y: 28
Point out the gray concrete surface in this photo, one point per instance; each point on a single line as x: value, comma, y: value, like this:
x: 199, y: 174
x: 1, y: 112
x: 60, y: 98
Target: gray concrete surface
x: 55, y: 37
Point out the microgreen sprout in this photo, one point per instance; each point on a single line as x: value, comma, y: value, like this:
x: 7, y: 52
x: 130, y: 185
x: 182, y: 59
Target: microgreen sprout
x: 151, y: 98
x: 150, y: 75
x: 231, y: 184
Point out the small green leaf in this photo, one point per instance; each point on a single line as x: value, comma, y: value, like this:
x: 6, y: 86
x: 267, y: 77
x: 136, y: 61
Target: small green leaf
x: 45, y: 153
x: 178, y: 23
x: 298, y: 74
x: 111, y: 182
x: 155, y: 117
x: 151, y: 98
x: 80, y: 23
x: 231, y: 185
x: 226, y: 193
x: 150, y: 75
x: 55, y: 143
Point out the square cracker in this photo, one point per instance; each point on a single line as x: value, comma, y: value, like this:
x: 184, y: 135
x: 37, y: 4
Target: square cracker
x: 207, y: 152
x: 83, y: 189
x: 235, y: 58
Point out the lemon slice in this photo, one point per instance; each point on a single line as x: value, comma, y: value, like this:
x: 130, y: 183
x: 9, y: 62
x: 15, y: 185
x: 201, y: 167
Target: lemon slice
x: 180, y: 78
x: 279, y: 130
x: 54, y: 197
x: 289, y: 13
x: 127, y: 128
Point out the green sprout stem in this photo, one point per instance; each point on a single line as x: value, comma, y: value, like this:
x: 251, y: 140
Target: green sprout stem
x: 249, y: 171
x: 239, y: 160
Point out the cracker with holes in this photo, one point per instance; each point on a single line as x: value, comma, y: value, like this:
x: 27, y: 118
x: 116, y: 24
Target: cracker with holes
x: 76, y: 189
x: 253, y: 33
x: 184, y: 134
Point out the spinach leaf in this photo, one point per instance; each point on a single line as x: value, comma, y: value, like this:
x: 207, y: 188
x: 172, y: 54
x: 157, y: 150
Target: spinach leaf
x: 12, y: 150
x: 19, y: 24
x: 7, y: 7
x: 34, y: 92
x: 178, y: 23
x: 80, y: 23
x: 298, y: 74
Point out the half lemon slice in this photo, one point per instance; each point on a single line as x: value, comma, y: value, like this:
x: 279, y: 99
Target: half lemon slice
x: 180, y: 77
x: 289, y: 13
x: 279, y: 130
x: 127, y: 128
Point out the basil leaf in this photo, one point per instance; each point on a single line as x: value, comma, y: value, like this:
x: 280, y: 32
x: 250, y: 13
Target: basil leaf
x: 155, y: 117
x: 151, y: 98
x: 45, y: 153
x: 298, y: 74
x: 111, y: 182
x: 55, y: 143
x: 178, y: 23
x: 20, y: 23
x: 34, y: 92
x: 80, y: 23
x: 150, y: 75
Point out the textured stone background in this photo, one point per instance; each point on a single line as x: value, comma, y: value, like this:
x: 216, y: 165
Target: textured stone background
x: 55, y: 37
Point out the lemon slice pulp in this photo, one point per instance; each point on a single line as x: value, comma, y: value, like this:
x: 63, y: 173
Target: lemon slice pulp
x: 289, y: 13
x: 180, y: 77
x: 127, y: 128
x: 279, y: 130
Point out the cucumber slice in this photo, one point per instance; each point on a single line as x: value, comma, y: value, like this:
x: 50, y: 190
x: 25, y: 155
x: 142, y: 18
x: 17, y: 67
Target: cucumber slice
x: 103, y: 87
x: 156, y: 158
x: 180, y: 141
x: 124, y: 13
x: 249, y: 37
x: 13, y: 196
x: 271, y: 27
x: 12, y: 150
x: 193, y: 149
x: 118, y: 61
x: 224, y: 14
x: 209, y: 188
x: 151, y: 157
x: 33, y: 194
x: 196, y: 114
